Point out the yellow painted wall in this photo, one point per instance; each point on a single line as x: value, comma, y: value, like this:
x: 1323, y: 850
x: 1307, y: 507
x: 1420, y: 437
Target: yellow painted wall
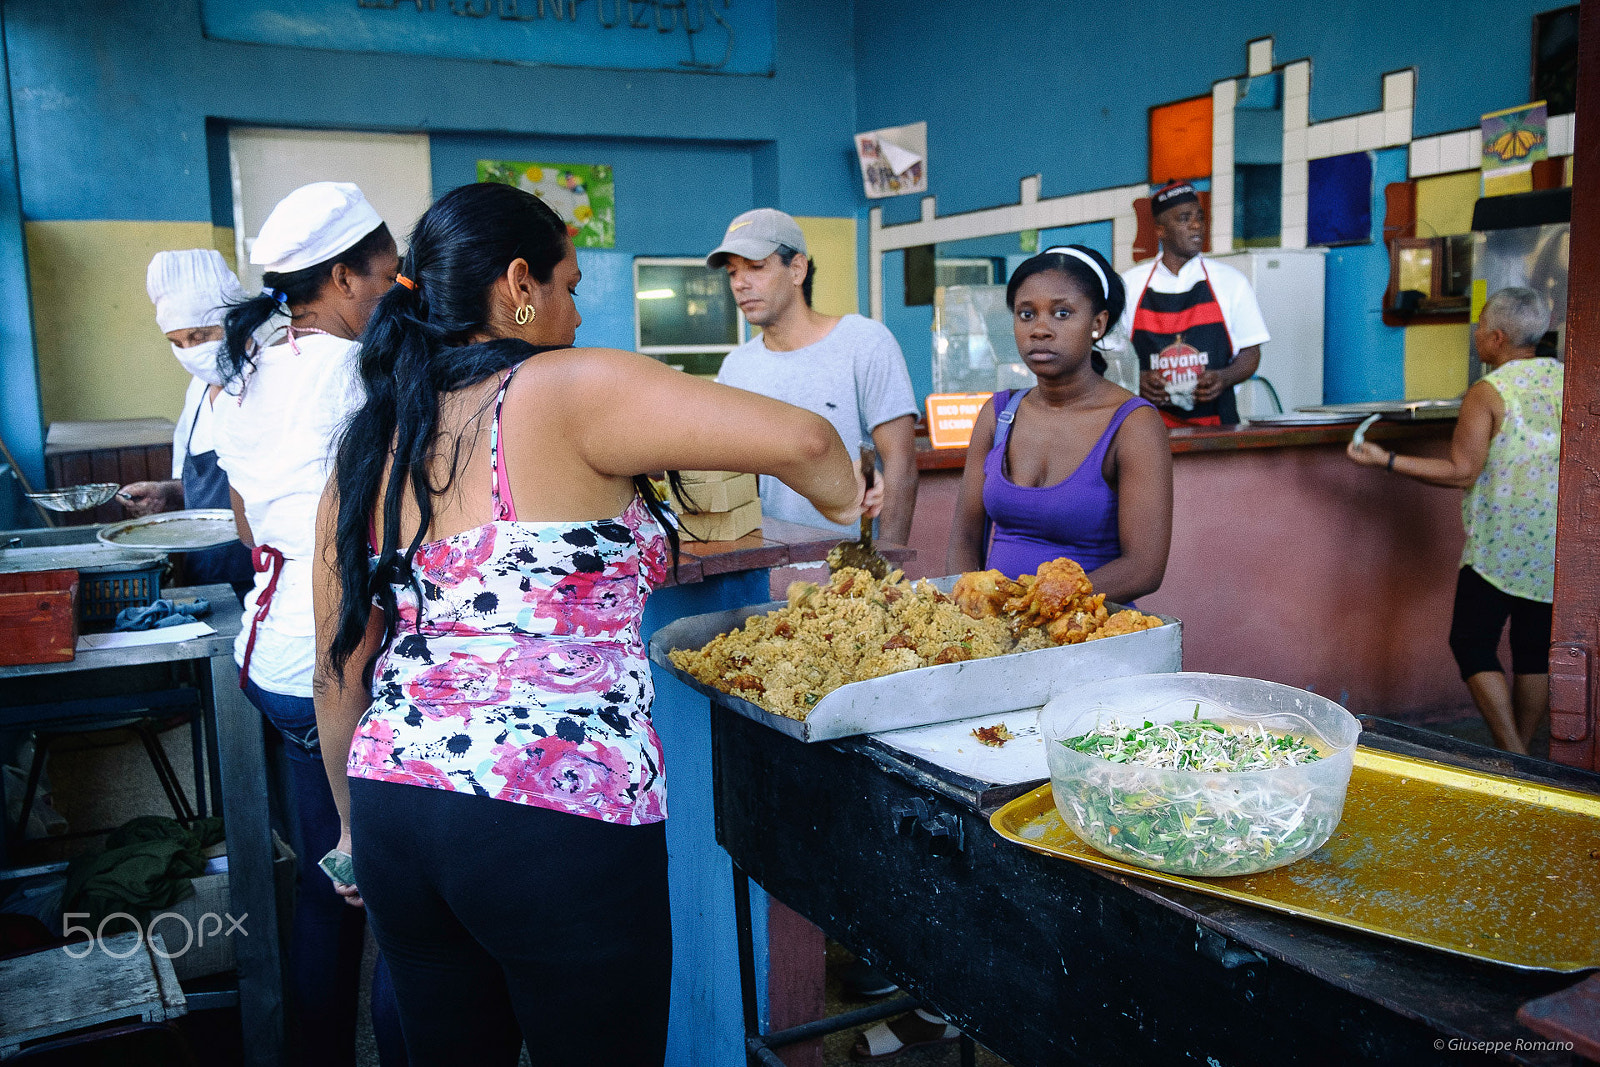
x: 831, y: 243
x: 1436, y: 361
x: 100, y: 353
x: 1444, y: 203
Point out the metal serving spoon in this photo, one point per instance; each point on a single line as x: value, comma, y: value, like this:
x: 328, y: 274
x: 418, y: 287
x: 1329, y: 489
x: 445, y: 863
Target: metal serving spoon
x: 860, y: 553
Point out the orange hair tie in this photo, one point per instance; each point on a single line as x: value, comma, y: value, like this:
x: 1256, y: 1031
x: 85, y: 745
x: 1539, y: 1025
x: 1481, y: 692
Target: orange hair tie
x: 407, y: 282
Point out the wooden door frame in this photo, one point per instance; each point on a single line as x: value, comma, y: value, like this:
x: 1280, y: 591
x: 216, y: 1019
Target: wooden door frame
x: 1575, y: 634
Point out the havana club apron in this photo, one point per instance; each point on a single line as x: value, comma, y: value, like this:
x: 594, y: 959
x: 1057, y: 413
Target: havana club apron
x: 1181, y: 335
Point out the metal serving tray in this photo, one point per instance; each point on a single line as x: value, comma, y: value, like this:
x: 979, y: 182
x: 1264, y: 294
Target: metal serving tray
x: 1461, y: 861
x: 1399, y: 410
x: 933, y: 694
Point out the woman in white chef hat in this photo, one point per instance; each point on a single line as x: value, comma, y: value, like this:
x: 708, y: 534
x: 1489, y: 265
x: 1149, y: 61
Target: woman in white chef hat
x: 289, y: 367
x: 191, y: 290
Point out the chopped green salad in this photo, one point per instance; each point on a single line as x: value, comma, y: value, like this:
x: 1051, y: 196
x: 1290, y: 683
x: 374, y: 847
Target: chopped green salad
x: 1194, y: 745
x: 1207, y: 827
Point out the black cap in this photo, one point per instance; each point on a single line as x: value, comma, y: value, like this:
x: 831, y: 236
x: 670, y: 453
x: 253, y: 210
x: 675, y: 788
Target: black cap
x: 1170, y: 196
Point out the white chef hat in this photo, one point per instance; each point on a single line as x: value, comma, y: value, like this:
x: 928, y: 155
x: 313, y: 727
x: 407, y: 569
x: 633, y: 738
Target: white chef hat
x: 312, y: 225
x: 191, y: 287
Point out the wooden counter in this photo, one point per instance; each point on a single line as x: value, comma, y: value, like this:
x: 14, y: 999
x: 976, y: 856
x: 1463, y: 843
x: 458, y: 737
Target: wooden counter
x: 1232, y: 438
x: 776, y: 544
x: 1291, y: 563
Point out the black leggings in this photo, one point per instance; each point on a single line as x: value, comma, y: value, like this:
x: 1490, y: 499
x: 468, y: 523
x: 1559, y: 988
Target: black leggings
x: 502, y: 921
x: 1480, y: 614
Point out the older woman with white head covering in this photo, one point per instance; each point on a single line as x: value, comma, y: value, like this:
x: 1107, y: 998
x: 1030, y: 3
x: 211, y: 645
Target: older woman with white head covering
x: 289, y: 368
x: 191, y: 289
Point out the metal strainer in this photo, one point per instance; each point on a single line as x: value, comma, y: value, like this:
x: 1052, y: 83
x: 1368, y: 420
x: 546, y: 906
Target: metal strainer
x: 75, y: 497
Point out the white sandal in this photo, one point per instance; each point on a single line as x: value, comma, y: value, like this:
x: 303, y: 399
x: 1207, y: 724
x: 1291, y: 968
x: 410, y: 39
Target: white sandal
x: 882, y: 1043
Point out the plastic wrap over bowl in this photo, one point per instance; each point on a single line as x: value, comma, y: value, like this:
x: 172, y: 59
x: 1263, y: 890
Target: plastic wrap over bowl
x: 1200, y: 823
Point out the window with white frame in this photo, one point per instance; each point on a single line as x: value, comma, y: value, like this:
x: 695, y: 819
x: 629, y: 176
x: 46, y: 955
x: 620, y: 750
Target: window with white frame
x: 684, y: 313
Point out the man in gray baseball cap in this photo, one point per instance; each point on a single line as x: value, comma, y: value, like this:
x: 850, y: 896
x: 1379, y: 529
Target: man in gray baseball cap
x: 847, y: 369
x: 756, y: 235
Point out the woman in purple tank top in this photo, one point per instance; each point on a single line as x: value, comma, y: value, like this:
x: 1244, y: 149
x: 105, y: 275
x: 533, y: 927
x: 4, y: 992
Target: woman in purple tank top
x: 1077, y: 466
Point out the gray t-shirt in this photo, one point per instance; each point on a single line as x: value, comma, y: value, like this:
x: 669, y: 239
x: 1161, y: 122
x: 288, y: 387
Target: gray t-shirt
x: 855, y: 377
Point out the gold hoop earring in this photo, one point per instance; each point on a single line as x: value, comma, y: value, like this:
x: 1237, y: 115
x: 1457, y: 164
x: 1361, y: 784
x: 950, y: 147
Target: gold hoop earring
x: 525, y: 314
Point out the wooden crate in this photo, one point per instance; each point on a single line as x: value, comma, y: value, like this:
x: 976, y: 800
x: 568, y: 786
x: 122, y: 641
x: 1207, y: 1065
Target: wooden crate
x: 92, y: 983
x: 38, y: 617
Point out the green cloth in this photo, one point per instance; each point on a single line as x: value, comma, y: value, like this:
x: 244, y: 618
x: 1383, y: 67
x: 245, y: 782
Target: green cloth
x: 146, y: 866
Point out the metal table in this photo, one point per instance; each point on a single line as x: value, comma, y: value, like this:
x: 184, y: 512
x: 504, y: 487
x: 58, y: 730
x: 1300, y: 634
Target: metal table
x: 1047, y: 962
x: 116, y: 679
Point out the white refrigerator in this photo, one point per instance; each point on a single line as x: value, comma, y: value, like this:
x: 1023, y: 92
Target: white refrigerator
x: 1289, y: 285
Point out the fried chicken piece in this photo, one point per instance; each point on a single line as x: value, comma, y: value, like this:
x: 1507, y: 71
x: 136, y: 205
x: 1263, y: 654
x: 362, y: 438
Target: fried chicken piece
x: 1126, y: 621
x: 1057, y: 588
x: 983, y: 594
x: 1079, y: 625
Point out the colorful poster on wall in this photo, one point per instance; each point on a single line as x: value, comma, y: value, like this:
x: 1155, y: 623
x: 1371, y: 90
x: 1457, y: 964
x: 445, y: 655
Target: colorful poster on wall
x: 1513, y: 141
x: 581, y: 193
x: 894, y: 161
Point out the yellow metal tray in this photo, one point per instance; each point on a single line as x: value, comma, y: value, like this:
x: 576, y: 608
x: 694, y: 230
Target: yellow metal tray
x: 1464, y: 862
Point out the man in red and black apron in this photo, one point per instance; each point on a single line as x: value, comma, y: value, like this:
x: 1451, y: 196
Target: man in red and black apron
x: 1195, y: 325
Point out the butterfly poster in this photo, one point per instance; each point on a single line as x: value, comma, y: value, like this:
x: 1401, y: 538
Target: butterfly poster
x: 1513, y: 141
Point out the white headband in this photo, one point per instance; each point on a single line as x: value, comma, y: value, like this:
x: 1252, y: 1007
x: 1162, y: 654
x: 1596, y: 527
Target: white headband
x: 1068, y: 250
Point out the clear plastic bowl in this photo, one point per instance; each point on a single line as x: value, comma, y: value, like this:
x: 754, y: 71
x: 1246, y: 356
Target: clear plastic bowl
x: 1200, y: 823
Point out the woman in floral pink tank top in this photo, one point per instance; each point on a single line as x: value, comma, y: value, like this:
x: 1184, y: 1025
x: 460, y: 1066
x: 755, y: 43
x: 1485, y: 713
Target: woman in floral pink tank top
x: 483, y: 696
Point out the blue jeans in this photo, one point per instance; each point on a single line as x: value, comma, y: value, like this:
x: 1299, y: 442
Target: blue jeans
x: 326, y: 940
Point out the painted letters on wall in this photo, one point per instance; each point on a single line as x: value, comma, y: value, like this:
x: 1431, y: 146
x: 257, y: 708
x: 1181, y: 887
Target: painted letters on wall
x: 708, y: 36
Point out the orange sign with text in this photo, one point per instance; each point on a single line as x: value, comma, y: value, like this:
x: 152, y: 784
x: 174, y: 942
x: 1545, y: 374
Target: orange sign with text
x: 951, y: 417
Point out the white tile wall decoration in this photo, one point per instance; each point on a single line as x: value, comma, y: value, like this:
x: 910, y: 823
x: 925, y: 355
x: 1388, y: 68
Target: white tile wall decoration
x: 1318, y: 138
x: 1399, y: 90
x: 1424, y: 157
x: 1455, y: 152
x: 1260, y: 57
x: 1369, y: 131
x: 1297, y: 79
x: 1303, y: 140
x: 1224, y: 96
x: 1343, y: 136
x: 1294, y: 180
x: 1397, y: 127
x: 1560, y: 134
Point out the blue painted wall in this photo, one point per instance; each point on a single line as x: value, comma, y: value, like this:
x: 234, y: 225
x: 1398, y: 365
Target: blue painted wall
x: 121, y: 109
x: 1065, y: 91
x: 110, y: 127
x: 1362, y: 359
x: 656, y: 181
x: 20, y: 423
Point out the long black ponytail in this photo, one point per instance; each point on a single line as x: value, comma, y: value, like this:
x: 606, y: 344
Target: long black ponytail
x: 416, y: 347
x: 280, y: 291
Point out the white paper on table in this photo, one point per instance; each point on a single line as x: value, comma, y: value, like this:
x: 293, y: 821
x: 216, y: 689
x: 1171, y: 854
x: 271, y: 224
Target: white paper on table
x: 952, y: 745
x: 165, y: 635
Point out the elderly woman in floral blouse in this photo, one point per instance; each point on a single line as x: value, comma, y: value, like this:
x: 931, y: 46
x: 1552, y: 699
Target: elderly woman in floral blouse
x: 1505, y: 454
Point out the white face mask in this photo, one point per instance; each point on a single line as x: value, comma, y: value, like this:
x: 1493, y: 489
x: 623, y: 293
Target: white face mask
x: 201, y: 360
